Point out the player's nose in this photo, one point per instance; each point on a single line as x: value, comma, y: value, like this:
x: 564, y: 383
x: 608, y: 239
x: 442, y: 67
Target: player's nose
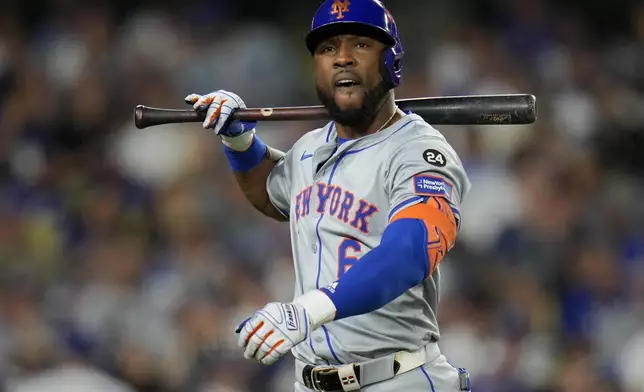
x: 344, y: 56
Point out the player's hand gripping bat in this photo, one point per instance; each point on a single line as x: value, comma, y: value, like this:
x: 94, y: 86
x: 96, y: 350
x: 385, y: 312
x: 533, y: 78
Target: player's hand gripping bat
x: 456, y: 110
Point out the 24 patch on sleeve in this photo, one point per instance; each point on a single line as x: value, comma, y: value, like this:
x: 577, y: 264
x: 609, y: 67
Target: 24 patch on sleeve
x: 431, y: 185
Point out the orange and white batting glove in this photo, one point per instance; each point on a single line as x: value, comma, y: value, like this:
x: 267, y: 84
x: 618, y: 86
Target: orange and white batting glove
x: 219, y: 106
x: 278, y: 327
x: 273, y: 331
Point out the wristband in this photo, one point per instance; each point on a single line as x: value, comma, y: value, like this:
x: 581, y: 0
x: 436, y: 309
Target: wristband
x: 243, y: 161
x: 239, y: 142
x: 318, y: 306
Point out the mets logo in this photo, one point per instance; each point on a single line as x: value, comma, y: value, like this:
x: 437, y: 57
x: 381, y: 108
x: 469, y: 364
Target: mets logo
x: 339, y: 8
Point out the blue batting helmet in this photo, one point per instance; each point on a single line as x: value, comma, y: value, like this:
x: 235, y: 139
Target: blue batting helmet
x: 362, y: 17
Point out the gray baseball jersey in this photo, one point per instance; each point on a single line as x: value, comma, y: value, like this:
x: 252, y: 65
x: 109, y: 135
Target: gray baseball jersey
x: 339, y: 198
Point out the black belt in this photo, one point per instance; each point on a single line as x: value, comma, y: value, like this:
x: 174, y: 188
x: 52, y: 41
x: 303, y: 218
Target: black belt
x: 327, y: 379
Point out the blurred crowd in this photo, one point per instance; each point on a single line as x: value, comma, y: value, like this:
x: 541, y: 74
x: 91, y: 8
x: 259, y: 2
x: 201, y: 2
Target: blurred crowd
x: 128, y: 256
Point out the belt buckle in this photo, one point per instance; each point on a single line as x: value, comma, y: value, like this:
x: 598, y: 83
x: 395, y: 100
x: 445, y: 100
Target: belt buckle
x: 330, y: 378
x: 313, y: 377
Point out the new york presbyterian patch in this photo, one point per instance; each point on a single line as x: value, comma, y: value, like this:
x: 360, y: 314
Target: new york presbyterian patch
x: 431, y: 185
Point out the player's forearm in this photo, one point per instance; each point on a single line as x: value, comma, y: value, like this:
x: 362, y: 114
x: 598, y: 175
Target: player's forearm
x: 251, y: 166
x: 253, y: 184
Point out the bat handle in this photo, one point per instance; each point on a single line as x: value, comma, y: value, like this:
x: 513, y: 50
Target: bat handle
x: 143, y: 119
x: 145, y: 116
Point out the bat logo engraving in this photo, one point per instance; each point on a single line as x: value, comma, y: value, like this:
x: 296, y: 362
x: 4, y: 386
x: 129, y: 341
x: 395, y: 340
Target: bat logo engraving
x: 497, y: 118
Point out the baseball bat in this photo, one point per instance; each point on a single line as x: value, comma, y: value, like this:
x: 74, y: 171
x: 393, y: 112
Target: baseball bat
x: 450, y: 110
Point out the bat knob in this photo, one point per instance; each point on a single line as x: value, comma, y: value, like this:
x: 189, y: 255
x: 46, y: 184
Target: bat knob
x: 138, y: 117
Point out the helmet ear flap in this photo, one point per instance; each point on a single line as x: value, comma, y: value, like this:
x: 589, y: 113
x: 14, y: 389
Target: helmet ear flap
x: 391, y: 67
x: 386, y: 75
x: 397, y: 65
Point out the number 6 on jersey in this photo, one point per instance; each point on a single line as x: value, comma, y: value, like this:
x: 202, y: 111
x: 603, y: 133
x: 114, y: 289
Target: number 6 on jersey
x: 345, y: 261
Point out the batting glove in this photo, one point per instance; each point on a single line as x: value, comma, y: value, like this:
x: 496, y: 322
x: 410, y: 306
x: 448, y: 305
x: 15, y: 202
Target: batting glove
x: 273, y: 331
x: 219, y: 106
x: 278, y: 327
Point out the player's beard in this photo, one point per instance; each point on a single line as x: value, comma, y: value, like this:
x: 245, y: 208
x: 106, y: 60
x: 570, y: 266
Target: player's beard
x: 359, y: 117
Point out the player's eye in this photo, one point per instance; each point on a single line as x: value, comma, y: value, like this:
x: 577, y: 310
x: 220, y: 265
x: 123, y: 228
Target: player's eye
x: 362, y: 45
x: 326, y: 49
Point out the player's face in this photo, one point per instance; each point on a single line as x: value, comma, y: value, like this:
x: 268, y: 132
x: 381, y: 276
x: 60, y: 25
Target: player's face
x: 348, y: 79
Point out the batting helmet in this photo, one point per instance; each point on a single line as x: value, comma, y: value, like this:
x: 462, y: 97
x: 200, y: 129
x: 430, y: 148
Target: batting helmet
x: 363, y: 17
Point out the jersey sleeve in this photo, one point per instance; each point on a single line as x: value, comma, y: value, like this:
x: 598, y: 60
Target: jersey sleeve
x: 424, y: 168
x: 278, y: 184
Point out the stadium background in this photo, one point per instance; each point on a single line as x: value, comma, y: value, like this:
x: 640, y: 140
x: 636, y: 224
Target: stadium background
x: 132, y: 254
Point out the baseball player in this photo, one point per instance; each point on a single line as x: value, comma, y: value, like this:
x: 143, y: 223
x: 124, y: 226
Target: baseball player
x: 372, y: 200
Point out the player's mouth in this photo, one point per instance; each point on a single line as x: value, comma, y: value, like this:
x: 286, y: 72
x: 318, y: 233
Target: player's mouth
x: 346, y: 81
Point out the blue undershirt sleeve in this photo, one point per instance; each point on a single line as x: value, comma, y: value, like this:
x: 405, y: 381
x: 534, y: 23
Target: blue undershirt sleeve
x: 399, y: 263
